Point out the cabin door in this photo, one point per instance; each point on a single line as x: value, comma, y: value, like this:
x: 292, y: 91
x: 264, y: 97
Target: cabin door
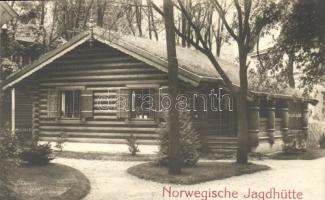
x: 222, y: 122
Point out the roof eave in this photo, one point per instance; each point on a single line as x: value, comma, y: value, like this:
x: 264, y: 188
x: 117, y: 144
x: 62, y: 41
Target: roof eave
x: 9, y: 9
x: 42, y: 62
x: 283, y: 96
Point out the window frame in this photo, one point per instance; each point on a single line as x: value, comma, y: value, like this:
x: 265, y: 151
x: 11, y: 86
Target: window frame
x: 132, y: 108
x: 63, y: 106
x: 151, y: 87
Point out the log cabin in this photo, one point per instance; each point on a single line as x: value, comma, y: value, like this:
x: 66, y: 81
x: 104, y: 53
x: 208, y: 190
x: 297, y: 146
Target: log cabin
x: 76, y: 90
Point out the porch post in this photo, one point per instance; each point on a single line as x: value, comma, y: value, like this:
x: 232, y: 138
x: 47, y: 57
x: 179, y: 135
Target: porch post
x: 253, y: 122
x: 284, y: 112
x: 271, y: 117
x: 13, y: 111
x: 304, y: 119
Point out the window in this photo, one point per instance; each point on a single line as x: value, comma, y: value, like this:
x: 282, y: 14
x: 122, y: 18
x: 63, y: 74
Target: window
x: 142, y: 104
x: 70, y: 104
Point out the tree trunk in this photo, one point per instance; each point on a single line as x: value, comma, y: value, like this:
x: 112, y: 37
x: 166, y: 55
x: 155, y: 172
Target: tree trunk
x: 1, y: 100
x: 149, y: 22
x: 153, y: 24
x: 54, y: 18
x: 242, y: 128
x: 184, y: 29
x: 100, y: 13
x: 76, y: 24
x: 174, y: 164
x: 188, y: 26
x: 129, y: 18
x: 242, y: 109
x: 218, y: 37
x: 138, y: 16
x: 321, y: 12
x: 290, y: 70
x: 100, y: 16
x: 42, y: 28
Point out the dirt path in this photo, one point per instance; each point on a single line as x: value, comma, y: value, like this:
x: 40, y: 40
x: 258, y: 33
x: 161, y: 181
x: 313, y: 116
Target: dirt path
x: 110, y: 181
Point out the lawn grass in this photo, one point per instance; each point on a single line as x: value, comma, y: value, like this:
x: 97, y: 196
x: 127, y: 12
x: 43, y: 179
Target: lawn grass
x: 105, y: 156
x: 310, y: 154
x: 50, y: 182
x: 7, y: 192
x: 204, y: 171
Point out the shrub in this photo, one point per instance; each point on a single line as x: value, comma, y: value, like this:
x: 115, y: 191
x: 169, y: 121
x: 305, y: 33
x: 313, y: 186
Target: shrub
x: 24, y: 137
x: 189, y: 141
x: 60, y: 141
x: 39, y: 154
x: 322, y: 141
x: 133, y: 145
x: 9, y: 153
x: 315, y: 132
x: 9, y: 148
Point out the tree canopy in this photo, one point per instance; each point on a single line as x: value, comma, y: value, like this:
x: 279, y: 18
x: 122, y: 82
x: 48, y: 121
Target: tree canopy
x: 295, y: 56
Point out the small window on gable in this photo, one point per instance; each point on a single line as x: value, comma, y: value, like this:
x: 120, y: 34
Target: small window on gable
x: 142, y: 103
x: 70, y: 104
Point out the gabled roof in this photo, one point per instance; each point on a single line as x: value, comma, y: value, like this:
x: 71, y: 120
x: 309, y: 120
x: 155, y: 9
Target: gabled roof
x: 6, y: 12
x: 193, y: 65
x: 44, y: 60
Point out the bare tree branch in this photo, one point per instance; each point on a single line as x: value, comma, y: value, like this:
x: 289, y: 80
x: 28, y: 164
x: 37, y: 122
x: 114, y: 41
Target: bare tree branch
x: 157, y: 9
x: 258, y: 52
x: 222, y: 14
x: 205, y: 50
x: 240, y: 20
x: 247, y: 30
x: 190, y: 40
x: 212, y: 59
x: 195, y: 28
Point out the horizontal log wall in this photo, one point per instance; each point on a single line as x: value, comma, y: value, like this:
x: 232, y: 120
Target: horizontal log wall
x: 98, y: 68
x: 103, y: 70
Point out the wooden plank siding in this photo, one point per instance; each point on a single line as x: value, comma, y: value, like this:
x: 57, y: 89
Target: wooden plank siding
x: 23, y: 110
x: 98, y: 68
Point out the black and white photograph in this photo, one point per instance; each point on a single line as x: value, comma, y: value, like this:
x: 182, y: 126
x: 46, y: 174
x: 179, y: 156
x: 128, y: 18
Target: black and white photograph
x: 162, y: 100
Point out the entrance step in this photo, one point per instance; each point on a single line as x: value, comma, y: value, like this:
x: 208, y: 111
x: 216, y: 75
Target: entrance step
x: 217, y: 144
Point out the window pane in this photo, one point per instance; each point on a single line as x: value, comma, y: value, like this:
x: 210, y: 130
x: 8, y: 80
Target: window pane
x: 68, y: 103
x: 71, y: 103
